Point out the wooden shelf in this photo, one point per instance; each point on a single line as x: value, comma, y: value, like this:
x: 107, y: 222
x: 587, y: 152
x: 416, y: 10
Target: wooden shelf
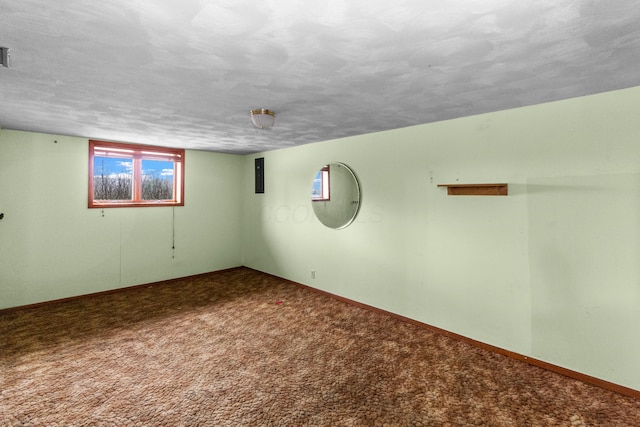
x: 476, y: 189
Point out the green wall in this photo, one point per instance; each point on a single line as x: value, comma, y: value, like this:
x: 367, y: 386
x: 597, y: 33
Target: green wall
x: 52, y: 246
x: 550, y: 271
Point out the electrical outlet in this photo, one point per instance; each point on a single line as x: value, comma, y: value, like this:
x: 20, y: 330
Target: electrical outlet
x: 313, y: 274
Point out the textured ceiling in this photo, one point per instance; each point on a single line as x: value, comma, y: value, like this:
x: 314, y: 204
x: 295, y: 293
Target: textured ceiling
x: 186, y: 73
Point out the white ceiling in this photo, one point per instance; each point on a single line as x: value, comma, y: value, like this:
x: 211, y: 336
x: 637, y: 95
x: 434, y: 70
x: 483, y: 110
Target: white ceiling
x: 186, y: 73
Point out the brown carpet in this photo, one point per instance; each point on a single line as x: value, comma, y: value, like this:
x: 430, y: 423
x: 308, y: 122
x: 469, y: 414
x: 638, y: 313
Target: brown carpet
x: 243, y: 348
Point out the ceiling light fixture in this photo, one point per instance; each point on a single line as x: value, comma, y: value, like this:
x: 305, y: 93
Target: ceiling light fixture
x: 263, y: 118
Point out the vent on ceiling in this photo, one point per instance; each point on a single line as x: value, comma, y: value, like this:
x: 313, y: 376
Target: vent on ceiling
x: 4, y: 56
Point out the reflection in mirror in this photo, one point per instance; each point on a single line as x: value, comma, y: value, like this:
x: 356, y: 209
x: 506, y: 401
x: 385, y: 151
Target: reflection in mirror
x: 320, y: 189
x: 335, y: 195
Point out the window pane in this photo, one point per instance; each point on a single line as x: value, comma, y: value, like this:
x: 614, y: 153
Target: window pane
x: 112, y: 178
x: 157, y: 180
x: 316, y: 188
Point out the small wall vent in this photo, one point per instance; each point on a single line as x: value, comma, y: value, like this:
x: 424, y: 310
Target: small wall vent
x: 4, y: 56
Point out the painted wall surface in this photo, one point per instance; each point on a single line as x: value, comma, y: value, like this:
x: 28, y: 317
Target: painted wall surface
x: 52, y: 246
x: 550, y: 271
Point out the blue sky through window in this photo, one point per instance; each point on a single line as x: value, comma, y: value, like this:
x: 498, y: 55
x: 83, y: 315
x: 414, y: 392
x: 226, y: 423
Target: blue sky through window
x: 159, y: 168
x: 316, y: 188
x: 114, y: 166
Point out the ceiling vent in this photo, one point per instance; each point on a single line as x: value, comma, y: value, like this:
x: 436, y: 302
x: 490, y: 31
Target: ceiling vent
x: 4, y: 56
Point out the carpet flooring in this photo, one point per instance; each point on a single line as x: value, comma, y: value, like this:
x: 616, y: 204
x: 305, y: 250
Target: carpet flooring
x: 242, y: 348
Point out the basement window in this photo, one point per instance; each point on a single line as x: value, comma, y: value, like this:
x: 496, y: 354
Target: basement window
x: 131, y: 175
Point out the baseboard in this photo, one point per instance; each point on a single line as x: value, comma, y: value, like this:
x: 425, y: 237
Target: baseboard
x: 517, y: 356
x: 111, y: 291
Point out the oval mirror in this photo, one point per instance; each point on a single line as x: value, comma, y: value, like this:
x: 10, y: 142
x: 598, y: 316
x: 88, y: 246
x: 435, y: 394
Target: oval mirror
x: 335, y: 195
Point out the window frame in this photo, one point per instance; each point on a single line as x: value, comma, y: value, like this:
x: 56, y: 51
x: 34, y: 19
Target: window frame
x: 138, y: 153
